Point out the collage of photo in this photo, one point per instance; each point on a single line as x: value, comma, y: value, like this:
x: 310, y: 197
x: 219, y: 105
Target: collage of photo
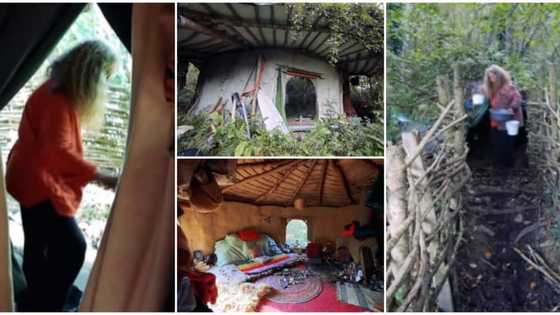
x: 318, y: 157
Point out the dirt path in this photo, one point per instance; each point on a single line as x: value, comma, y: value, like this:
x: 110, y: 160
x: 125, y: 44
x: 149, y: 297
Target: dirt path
x: 489, y: 274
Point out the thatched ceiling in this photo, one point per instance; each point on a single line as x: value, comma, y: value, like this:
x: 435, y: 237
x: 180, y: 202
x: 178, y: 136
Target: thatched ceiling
x: 207, y: 29
x: 320, y: 182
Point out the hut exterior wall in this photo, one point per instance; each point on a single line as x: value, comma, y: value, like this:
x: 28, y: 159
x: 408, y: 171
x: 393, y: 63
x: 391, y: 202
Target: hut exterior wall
x: 325, y: 224
x: 229, y: 73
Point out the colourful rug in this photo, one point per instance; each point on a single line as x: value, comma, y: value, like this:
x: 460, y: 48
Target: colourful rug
x: 325, y: 302
x: 297, y: 293
x: 358, y: 295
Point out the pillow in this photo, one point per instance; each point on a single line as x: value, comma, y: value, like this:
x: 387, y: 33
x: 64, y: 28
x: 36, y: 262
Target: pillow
x: 255, y: 252
x: 270, y: 247
x: 249, y: 235
x: 242, y: 247
x: 227, y: 254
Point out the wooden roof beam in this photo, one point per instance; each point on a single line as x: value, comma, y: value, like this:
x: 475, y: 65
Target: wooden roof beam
x: 344, y: 181
x: 314, y: 26
x: 237, y: 17
x: 259, y: 26
x: 186, y: 22
x: 323, y: 177
x: 263, y: 163
x: 263, y: 174
x: 362, y: 58
x: 277, y: 184
x: 237, y: 21
x: 302, y: 182
x: 273, y: 26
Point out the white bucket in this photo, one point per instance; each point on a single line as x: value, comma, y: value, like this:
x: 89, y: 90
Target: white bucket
x: 512, y: 127
x: 477, y: 99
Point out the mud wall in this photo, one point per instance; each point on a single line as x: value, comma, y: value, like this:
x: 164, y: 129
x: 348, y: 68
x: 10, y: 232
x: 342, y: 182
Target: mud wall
x: 235, y: 72
x: 203, y: 230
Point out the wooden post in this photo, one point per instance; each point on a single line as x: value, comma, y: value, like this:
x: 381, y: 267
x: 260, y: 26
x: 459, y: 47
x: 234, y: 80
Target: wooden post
x: 459, y: 98
x: 397, y: 205
x: 260, y: 68
x: 416, y: 171
x: 552, y: 78
x: 442, y: 82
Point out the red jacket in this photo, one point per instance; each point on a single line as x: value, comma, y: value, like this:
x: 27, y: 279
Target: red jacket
x: 507, y: 97
x: 46, y: 162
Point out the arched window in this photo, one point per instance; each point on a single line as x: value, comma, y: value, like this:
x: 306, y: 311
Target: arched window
x: 297, y: 233
x: 301, y: 99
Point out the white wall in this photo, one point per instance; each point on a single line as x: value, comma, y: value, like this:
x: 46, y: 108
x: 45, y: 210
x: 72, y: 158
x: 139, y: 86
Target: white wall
x: 228, y: 73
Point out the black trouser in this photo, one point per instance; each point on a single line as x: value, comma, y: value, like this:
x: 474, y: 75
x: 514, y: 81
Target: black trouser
x: 53, y: 255
x: 502, y: 144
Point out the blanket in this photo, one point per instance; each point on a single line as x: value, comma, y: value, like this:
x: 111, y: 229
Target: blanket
x: 231, y: 274
x: 256, y: 267
x: 240, y: 298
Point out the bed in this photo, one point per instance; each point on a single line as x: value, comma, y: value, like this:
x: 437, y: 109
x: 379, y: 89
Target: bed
x: 255, y: 269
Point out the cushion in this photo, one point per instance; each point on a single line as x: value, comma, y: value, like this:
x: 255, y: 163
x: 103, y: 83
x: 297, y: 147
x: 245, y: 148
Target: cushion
x: 313, y: 250
x: 270, y: 247
x: 255, y: 252
x: 244, y: 248
x: 227, y: 254
x: 249, y: 235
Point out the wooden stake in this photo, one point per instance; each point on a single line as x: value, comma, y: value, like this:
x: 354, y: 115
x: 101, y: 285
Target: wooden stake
x: 260, y: 68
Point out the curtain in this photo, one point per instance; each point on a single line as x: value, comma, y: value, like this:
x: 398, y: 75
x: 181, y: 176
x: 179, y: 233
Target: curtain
x: 119, y: 16
x: 28, y: 33
x: 6, y: 290
x: 134, y: 269
x: 280, y: 105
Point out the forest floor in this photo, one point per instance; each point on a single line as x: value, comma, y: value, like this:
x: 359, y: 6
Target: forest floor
x: 503, y: 210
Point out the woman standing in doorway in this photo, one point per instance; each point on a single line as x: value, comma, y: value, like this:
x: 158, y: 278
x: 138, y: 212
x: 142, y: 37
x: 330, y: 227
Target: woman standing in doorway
x: 502, y: 94
x: 47, y: 172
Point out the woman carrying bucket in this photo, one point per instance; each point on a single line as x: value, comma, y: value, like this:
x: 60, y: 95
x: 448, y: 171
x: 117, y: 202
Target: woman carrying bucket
x: 506, y: 115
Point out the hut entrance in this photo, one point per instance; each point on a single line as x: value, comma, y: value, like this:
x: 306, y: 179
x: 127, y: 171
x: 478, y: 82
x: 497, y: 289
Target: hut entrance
x: 301, y: 101
x: 297, y: 233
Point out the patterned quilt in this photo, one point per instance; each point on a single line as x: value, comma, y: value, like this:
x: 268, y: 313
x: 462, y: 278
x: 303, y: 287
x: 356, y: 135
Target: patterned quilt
x: 232, y: 274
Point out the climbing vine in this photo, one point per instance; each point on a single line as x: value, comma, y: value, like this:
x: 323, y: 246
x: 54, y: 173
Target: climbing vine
x: 346, y: 21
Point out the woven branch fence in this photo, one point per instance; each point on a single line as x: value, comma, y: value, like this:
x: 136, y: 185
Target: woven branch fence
x: 427, y: 175
x: 544, y: 152
x: 544, y: 137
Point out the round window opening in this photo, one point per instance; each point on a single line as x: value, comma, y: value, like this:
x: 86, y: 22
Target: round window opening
x: 297, y: 233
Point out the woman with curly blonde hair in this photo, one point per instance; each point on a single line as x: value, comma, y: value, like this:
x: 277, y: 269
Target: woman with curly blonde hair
x: 502, y: 94
x: 47, y: 172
